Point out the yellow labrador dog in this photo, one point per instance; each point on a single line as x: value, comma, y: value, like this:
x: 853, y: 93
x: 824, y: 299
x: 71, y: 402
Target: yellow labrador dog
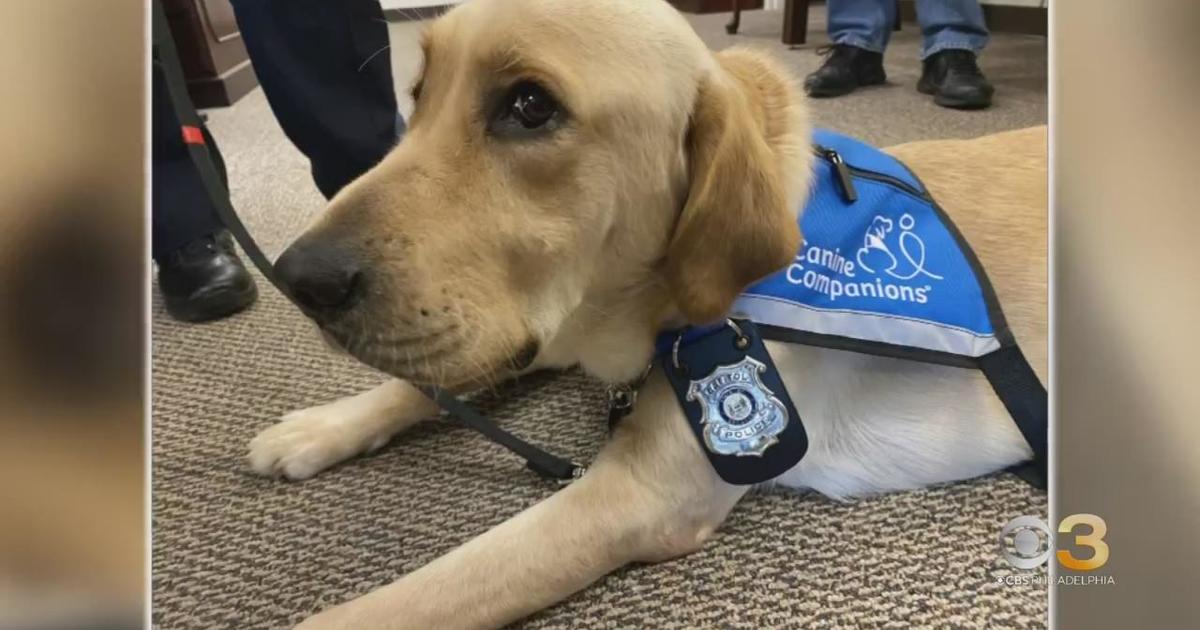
x: 578, y: 175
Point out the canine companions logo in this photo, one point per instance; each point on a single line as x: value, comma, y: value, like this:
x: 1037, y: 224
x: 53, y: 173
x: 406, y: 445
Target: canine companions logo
x: 886, y: 254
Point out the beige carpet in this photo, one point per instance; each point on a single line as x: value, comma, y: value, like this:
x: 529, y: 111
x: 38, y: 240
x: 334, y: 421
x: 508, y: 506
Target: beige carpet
x: 232, y: 550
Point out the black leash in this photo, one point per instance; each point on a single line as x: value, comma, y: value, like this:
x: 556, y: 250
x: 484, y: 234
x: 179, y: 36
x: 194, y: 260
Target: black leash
x: 167, y: 59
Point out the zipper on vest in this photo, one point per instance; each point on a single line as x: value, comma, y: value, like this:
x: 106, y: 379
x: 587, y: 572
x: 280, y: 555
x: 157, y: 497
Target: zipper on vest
x: 844, y: 171
x: 840, y: 170
x: 890, y: 181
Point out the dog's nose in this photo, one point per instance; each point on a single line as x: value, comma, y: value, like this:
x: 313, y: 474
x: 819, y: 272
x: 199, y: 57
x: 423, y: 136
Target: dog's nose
x: 324, y: 276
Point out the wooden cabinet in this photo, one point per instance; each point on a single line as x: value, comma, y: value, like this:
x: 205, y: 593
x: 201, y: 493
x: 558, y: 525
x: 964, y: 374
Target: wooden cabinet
x: 214, y: 59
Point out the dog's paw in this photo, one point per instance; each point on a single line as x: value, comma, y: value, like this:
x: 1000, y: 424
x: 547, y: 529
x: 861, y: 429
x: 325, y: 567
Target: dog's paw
x: 308, y: 441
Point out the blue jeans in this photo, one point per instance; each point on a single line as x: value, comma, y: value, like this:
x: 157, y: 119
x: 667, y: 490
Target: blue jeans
x: 945, y: 24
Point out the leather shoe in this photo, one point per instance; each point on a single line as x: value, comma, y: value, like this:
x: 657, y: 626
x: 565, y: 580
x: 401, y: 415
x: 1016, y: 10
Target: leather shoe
x: 846, y: 69
x: 955, y: 80
x: 205, y: 280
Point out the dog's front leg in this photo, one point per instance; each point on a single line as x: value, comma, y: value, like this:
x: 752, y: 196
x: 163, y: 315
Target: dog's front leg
x: 308, y: 441
x: 650, y: 495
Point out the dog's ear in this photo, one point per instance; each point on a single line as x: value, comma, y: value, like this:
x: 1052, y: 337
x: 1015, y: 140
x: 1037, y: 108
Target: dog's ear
x: 748, y: 165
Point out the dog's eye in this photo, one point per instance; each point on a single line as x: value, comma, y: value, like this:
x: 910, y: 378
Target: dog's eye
x: 526, y: 108
x: 531, y: 105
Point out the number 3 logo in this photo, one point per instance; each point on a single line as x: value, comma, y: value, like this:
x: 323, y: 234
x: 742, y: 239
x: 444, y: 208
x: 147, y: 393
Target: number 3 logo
x: 1093, y: 540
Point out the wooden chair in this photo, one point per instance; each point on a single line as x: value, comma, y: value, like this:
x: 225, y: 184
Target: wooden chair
x: 795, y: 21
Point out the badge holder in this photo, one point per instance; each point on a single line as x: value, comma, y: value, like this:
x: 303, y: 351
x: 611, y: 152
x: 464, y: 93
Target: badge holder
x: 735, y: 402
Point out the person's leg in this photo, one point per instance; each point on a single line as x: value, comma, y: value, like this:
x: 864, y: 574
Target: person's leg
x: 865, y: 24
x: 953, y: 33
x: 180, y: 209
x: 951, y: 24
x: 327, y: 74
x: 859, y: 30
x: 199, y: 274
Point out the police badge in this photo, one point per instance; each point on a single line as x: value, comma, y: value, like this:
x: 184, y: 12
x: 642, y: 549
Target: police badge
x: 740, y: 411
x: 740, y: 415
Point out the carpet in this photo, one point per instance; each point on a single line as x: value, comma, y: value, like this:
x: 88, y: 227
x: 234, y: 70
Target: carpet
x: 233, y: 550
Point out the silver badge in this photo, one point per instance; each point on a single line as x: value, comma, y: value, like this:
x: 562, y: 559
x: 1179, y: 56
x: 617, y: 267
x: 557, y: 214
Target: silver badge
x: 741, y: 416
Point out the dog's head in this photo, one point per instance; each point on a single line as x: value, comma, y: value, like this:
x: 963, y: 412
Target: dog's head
x: 575, y: 174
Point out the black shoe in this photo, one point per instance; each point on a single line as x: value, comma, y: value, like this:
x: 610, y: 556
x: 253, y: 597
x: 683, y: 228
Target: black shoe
x: 846, y: 68
x: 954, y: 80
x: 205, y: 280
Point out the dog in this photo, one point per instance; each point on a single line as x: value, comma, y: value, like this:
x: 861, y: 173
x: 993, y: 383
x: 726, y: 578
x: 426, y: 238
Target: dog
x: 577, y: 176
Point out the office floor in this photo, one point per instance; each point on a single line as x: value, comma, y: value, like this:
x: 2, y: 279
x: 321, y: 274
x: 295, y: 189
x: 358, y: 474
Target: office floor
x: 232, y: 550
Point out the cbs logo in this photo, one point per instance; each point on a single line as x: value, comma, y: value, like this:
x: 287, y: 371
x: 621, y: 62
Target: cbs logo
x: 1026, y: 541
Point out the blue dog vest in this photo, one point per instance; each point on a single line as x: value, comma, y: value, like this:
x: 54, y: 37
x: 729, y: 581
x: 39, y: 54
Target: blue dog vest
x: 886, y: 269
x: 882, y: 270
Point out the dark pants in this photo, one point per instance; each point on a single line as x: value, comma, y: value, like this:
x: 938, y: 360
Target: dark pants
x: 325, y: 69
x: 180, y: 209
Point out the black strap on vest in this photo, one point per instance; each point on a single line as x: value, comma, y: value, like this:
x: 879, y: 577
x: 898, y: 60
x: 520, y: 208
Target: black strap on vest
x: 166, y: 57
x: 1018, y: 387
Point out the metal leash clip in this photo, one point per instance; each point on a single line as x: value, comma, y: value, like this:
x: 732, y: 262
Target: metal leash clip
x: 577, y: 471
x: 621, y: 398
